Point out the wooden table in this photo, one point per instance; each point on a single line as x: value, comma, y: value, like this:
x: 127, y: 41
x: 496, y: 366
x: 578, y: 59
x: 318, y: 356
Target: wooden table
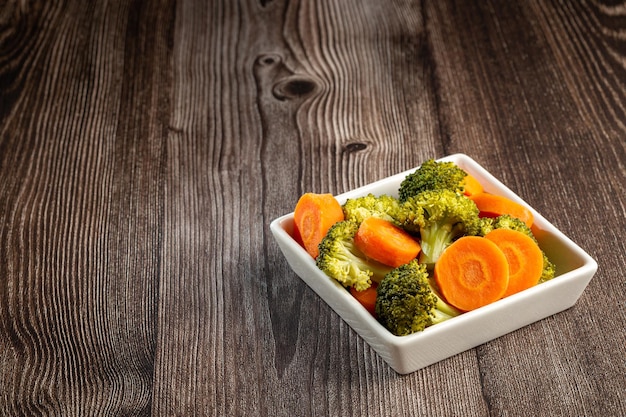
x: 146, y: 146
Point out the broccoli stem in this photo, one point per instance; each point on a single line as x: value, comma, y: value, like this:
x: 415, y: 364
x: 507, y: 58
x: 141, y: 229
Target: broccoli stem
x: 434, y: 240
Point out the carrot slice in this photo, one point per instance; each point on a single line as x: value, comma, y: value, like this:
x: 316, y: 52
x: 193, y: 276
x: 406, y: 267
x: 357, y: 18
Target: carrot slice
x: 367, y: 297
x: 313, y: 216
x: 472, y: 272
x: 386, y: 243
x: 491, y: 205
x: 523, y: 255
x: 471, y: 186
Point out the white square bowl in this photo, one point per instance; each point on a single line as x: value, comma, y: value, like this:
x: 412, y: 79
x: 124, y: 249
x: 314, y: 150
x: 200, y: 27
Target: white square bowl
x: 405, y: 354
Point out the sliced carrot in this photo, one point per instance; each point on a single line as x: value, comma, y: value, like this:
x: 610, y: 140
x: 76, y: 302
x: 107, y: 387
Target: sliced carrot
x: 313, y: 216
x: 296, y: 235
x: 367, y: 297
x: 491, y: 205
x: 386, y: 243
x: 472, y: 272
x: 523, y: 255
x: 471, y: 186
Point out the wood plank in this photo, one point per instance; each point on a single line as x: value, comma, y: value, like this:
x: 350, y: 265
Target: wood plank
x: 81, y: 206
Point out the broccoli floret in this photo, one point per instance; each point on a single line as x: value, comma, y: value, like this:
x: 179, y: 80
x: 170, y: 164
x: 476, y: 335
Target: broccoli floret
x: 506, y: 221
x: 549, y: 269
x: 406, y: 302
x: 432, y: 175
x: 340, y: 259
x: 440, y: 217
x: 384, y: 206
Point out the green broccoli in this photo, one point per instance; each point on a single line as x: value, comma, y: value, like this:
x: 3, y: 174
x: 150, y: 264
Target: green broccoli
x: 432, y: 175
x: 340, y: 259
x: 384, y: 206
x: 440, y: 217
x: 549, y: 269
x: 506, y: 221
x: 406, y: 302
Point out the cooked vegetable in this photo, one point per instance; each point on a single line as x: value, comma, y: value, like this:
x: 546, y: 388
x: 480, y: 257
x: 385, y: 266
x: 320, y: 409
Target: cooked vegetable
x: 472, y: 272
x: 523, y: 255
x: 386, y: 243
x: 471, y: 186
x: 491, y: 205
x: 549, y: 269
x: 432, y: 175
x: 367, y: 297
x: 443, y: 247
x: 340, y: 259
x: 360, y: 208
x: 508, y: 222
x: 313, y: 216
x: 407, y: 303
x: 440, y: 217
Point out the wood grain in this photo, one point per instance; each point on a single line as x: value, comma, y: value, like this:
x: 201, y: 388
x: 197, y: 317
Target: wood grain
x: 82, y: 207
x: 146, y: 146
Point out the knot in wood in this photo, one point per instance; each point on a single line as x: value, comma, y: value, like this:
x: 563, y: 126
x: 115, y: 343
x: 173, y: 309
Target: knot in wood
x: 267, y: 60
x: 355, y: 147
x: 294, y: 87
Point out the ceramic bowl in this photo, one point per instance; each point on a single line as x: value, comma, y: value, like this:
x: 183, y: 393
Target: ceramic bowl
x: 406, y: 354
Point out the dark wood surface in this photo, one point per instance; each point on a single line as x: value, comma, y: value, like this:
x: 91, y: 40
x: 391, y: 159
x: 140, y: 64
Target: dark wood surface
x: 146, y: 145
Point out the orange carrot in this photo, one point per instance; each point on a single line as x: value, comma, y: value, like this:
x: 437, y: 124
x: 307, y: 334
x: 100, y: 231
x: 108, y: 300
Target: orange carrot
x: 313, y: 216
x: 367, y: 297
x: 472, y: 272
x: 471, y: 186
x: 491, y: 205
x: 386, y: 243
x: 296, y: 235
x: 523, y: 255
